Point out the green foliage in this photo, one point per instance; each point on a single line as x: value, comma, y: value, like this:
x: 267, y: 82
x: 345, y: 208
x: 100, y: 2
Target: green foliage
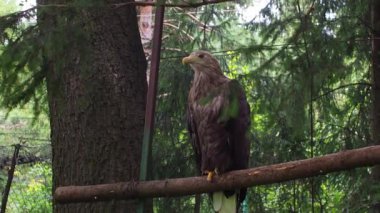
x: 306, y: 73
x: 305, y: 67
x: 31, y: 189
x: 21, y: 73
x: 31, y: 40
x: 312, y: 77
x: 31, y: 186
x: 7, y: 6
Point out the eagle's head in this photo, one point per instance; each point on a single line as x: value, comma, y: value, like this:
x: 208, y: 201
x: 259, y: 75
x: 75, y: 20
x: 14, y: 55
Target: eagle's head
x: 203, y: 62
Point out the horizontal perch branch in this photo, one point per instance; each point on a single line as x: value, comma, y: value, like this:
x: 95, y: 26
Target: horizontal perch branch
x: 345, y: 160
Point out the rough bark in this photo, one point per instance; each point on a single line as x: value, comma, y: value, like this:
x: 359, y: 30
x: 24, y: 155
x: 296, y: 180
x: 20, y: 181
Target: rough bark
x: 236, y: 179
x: 375, y: 199
x: 96, y: 102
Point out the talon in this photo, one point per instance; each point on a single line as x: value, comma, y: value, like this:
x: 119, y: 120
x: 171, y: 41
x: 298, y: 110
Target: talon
x: 210, y: 175
x: 216, y: 171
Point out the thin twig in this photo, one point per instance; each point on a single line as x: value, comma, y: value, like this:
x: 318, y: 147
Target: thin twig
x: 342, y: 87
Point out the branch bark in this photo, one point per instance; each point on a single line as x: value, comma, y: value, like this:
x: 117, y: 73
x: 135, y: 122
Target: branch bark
x: 345, y: 160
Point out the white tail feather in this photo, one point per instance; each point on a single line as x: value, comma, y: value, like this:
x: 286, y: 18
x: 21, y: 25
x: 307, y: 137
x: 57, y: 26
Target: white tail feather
x: 222, y: 204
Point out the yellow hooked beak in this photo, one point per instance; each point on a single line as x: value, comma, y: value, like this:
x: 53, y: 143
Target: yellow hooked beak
x: 189, y: 59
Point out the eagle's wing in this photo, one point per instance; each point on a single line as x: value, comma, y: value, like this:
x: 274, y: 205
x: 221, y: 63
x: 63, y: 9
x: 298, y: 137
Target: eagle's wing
x: 192, y: 128
x: 237, y: 118
x: 237, y: 125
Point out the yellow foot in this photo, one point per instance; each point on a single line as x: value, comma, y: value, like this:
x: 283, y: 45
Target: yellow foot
x: 210, y: 175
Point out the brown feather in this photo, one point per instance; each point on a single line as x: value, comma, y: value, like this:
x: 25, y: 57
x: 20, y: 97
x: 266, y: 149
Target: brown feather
x: 218, y: 135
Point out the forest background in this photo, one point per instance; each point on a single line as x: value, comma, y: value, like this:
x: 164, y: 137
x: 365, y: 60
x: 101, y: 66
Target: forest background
x: 306, y: 69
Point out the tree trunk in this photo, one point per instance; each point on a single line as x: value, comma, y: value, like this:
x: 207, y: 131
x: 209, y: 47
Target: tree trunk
x: 96, y: 102
x: 375, y: 199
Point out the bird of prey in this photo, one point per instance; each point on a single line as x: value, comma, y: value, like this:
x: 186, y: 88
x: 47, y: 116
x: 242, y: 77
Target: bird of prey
x: 218, y: 120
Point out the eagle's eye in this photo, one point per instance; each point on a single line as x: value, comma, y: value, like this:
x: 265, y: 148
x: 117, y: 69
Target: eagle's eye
x: 201, y: 56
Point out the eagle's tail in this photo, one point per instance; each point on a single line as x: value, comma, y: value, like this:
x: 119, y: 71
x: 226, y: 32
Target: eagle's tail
x: 224, y: 204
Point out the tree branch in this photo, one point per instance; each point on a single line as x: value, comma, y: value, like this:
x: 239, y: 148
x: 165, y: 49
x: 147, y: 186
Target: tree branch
x: 342, y: 87
x: 345, y: 160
